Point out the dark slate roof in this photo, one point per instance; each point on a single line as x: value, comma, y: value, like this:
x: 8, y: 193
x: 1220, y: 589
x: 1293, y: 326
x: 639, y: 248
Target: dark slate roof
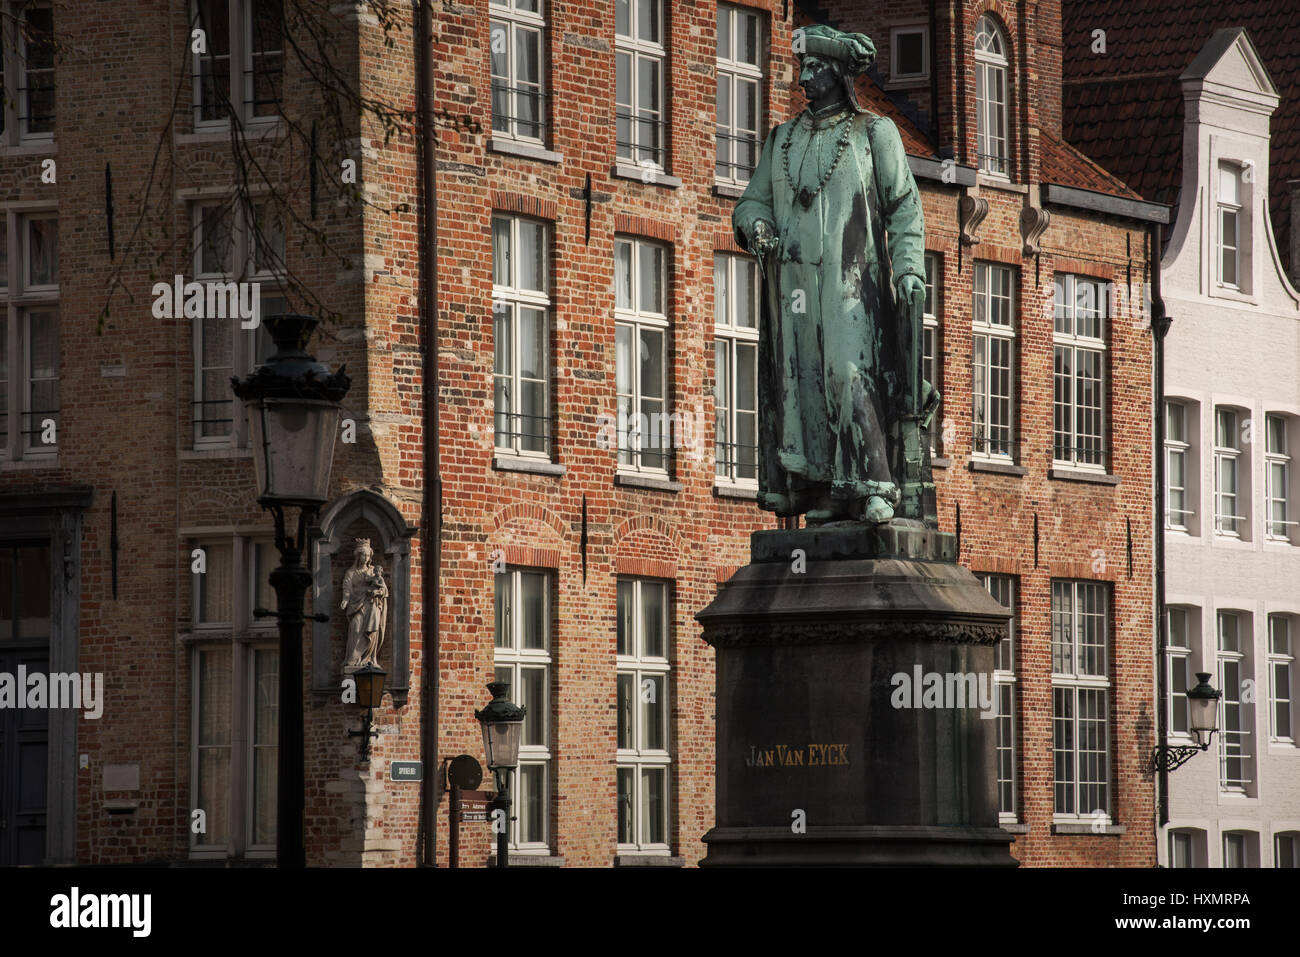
x: 1125, y: 108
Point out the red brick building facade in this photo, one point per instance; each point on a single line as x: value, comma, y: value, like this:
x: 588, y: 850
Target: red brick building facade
x: 579, y: 264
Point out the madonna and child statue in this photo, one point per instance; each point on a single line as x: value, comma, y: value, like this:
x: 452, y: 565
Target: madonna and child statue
x: 834, y: 219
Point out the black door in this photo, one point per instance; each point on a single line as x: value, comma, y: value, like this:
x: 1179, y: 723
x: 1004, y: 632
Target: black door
x: 24, y: 732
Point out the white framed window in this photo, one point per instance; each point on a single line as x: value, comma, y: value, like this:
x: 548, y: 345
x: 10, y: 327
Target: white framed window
x: 735, y: 356
x: 1082, y: 313
x: 1080, y: 699
x: 1187, y: 848
x: 993, y: 357
x: 523, y: 660
x: 1181, y: 667
x: 641, y: 60
x: 1231, y: 241
x: 930, y: 338
x: 27, y: 49
x: 1003, y: 588
x: 1240, y: 849
x: 1179, y: 500
x: 1229, y: 497
x: 1286, y: 849
x: 239, y: 65
x: 1277, y: 479
x: 1236, y: 763
x: 234, y: 659
x: 645, y: 429
x: 30, y: 361
x: 517, y: 51
x: 241, y: 243
x: 909, y: 53
x: 521, y: 369
x: 741, y: 54
x: 1281, y: 679
x: 991, y: 97
x: 644, y: 754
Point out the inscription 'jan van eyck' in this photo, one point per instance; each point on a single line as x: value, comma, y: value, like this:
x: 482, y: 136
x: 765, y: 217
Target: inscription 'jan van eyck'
x: 808, y: 755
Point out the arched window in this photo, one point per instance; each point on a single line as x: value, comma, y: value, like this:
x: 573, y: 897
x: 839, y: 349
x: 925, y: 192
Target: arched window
x: 991, y: 97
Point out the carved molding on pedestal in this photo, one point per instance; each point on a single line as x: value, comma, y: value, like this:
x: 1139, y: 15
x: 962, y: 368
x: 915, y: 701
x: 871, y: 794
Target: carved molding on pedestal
x: 764, y: 631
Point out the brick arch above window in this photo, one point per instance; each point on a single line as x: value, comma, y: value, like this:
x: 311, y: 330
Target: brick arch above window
x: 527, y: 511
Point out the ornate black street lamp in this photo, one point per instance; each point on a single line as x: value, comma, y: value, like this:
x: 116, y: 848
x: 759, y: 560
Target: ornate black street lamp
x: 293, y: 409
x: 503, y: 726
x: 370, y: 694
x: 1203, y: 705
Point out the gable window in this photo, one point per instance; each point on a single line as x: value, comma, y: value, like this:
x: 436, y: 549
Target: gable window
x: 1079, y: 342
x: 241, y: 244
x: 1281, y: 679
x: 238, y: 60
x: 640, y: 62
x: 521, y: 336
x: 234, y: 732
x: 1277, y: 480
x: 518, y: 85
x: 993, y: 355
x: 740, y: 92
x: 1228, y: 495
x: 735, y: 353
x: 29, y: 335
x: 1002, y: 587
x: 644, y: 751
x: 1178, y: 469
x: 1235, y: 759
x: 645, y: 432
x: 523, y: 660
x: 909, y: 53
x: 991, y: 69
x: 1232, y: 232
x: 1080, y: 698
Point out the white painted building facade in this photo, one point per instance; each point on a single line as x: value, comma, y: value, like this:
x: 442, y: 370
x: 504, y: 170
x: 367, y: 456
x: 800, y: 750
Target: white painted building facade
x: 1232, y: 446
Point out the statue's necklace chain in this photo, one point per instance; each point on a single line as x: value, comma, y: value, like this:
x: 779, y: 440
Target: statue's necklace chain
x: 805, y: 196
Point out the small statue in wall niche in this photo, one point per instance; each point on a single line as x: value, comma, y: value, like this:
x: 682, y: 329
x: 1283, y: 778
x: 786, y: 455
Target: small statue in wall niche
x: 365, y: 602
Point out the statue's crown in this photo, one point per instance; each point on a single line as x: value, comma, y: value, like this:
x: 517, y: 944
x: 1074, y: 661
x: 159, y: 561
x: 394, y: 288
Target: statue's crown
x: 362, y: 543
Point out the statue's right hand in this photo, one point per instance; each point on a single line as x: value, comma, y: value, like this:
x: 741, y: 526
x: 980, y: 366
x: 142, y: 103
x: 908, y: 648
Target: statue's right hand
x: 763, y: 239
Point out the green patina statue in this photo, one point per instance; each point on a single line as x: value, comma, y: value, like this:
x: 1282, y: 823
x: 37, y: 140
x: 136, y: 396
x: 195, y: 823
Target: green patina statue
x: 834, y: 218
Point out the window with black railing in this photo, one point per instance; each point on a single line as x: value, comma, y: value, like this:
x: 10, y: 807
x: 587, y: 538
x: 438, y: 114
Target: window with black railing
x: 237, y: 59
x: 1081, y: 314
x: 992, y: 66
x: 993, y: 362
x: 30, y: 374
x: 741, y: 44
x: 517, y: 45
x: 27, y: 72
x: 735, y: 352
x: 640, y: 113
x: 521, y: 336
x: 648, y: 429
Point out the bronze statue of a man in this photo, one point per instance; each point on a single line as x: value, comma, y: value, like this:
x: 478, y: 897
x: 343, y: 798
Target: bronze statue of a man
x: 834, y: 218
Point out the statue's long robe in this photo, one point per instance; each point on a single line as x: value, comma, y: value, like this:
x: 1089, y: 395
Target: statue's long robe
x: 833, y: 350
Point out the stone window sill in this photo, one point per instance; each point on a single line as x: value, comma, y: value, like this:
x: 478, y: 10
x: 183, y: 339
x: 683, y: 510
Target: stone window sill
x: 30, y: 463
x: 214, y: 452
x: 1089, y: 829
x: 1000, y: 182
x: 635, y: 480
x: 648, y: 860
x: 513, y: 463
x: 997, y: 468
x: 1081, y: 475
x: 1013, y: 827
x: 528, y: 860
x: 736, y: 491
x: 658, y: 177
x: 728, y: 190
x: 28, y: 148
x: 940, y: 462
x: 532, y: 151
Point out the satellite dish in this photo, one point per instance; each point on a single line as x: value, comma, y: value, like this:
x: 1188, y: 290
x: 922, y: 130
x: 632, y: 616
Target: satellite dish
x: 464, y: 772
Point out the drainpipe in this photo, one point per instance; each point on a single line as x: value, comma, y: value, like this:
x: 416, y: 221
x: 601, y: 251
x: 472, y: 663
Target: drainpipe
x: 431, y: 506
x: 1160, y: 323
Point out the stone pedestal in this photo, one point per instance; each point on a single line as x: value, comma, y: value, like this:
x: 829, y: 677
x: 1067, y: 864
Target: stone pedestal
x: 824, y: 755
